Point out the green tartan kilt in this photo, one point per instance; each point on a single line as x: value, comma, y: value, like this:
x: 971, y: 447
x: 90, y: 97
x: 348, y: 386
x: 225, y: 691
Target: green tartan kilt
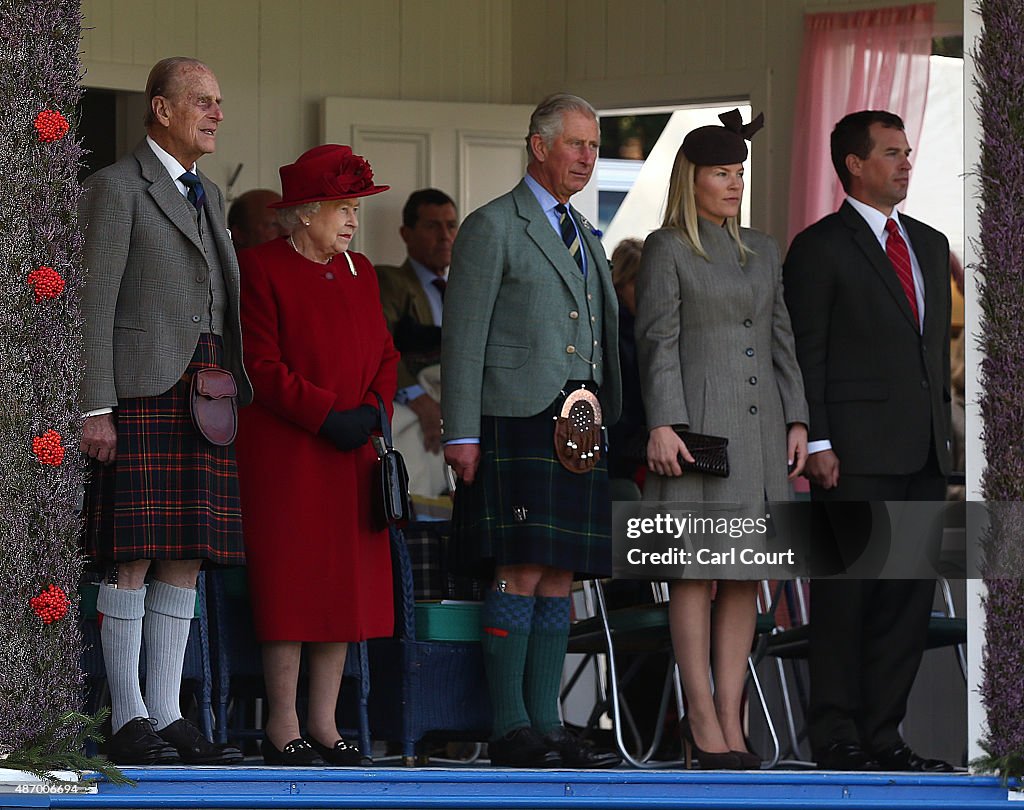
x: 525, y: 507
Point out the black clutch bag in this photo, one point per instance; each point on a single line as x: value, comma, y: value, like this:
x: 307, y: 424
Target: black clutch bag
x: 390, y: 486
x: 710, y: 453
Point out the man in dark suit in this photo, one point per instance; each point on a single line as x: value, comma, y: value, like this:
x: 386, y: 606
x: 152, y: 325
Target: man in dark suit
x: 159, y: 304
x: 251, y: 222
x: 530, y: 334
x: 868, y: 294
x: 412, y: 295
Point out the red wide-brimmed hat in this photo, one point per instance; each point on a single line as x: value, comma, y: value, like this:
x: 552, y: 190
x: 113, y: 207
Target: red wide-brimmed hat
x: 327, y: 172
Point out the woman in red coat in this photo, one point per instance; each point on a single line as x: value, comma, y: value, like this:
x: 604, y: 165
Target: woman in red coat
x: 317, y: 350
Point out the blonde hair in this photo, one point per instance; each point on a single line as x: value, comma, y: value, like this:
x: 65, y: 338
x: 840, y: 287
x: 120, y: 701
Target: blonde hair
x: 681, y: 210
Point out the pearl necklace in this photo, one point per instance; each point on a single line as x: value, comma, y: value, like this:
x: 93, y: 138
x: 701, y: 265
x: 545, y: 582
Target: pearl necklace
x: 351, y: 265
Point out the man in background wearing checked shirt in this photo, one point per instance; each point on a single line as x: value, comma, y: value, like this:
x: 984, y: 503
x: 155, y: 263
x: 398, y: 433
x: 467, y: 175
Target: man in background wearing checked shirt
x: 868, y: 295
x: 159, y: 303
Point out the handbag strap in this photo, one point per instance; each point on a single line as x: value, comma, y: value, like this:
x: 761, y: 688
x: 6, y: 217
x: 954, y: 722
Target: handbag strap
x: 385, y: 423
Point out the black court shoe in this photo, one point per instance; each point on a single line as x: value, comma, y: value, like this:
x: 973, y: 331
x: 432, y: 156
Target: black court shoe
x: 341, y: 753
x: 296, y: 754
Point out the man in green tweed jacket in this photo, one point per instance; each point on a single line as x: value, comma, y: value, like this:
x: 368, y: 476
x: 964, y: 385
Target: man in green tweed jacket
x: 531, y: 322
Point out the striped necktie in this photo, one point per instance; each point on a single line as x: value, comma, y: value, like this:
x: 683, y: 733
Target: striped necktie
x: 899, y: 255
x: 569, y: 235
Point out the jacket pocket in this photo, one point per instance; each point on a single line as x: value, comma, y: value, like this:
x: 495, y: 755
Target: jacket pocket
x: 500, y: 356
x: 856, y: 390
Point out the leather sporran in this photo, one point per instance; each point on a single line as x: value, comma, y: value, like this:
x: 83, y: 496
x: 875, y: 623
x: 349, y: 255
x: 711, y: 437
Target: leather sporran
x: 578, y: 432
x: 390, y: 485
x: 213, y: 401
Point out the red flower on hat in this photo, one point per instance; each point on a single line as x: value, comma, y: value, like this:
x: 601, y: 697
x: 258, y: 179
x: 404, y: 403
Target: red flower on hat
x: 46, y: 282
x: 51, y: 605
x: 51, y: 126
x: 353, y: 175
x: 48, y: 448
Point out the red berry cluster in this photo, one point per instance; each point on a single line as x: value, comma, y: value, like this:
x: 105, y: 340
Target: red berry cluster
x: 51, y: 126
x: 46, y: 282
x: 48, y: 448
x: 51, y: 605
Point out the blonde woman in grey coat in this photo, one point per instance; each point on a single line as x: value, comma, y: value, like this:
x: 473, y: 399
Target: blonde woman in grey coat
x: 716, y: 356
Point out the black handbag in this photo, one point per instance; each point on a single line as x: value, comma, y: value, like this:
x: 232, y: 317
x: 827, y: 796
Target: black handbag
x: 391, y: 505
x: 710, y: 455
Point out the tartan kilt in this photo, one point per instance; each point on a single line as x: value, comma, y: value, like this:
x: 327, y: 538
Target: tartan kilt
x: 568, y: 519
x: 170, y: 494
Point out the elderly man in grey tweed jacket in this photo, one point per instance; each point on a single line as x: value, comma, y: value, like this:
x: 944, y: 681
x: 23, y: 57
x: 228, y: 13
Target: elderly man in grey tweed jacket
x: 160, y: 303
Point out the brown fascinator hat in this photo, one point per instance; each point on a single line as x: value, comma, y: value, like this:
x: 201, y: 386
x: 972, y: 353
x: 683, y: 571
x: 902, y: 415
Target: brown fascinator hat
x: 724, y: 145
x: 327, y: 172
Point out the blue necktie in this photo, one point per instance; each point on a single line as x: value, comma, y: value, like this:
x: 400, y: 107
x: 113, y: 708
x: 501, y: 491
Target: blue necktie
x: 196, y: 193
x: 569, y: 235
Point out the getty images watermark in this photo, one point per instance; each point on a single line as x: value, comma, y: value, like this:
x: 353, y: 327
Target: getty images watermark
x: 782, y: 540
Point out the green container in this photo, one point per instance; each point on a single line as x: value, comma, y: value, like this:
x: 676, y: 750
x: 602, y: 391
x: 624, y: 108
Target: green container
x: 448, y: 622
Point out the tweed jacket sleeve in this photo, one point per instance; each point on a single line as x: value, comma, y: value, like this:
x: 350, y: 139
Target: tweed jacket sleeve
x: 788, y: 376
x: 103, y: 208
x: 658, y: 322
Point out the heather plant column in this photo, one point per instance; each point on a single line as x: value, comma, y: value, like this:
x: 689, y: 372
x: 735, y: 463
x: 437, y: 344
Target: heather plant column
x: 1000, y: 66
x: 40, y: 369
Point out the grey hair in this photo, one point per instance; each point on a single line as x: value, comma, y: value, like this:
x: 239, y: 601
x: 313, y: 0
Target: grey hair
x: 291, y: 217
x: 547, y: 119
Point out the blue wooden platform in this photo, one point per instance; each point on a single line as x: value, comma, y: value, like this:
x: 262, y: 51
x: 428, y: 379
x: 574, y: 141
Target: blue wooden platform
x: 260, y: 787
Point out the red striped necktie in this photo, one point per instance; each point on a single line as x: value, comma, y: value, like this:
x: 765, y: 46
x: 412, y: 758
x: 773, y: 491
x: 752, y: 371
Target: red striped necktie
x: 899, y: 255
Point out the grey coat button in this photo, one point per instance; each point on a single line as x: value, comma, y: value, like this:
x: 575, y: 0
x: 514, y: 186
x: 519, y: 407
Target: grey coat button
x: 748, y: 323
x: 195, y: 319
x: 753, y: 409
x: 749, y: 352
x: 753, y: 381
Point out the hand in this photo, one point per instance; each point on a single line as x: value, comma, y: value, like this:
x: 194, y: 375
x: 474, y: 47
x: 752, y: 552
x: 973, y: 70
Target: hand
x: 464, y: 459
x: 428, y: 410
x: 664, y: 447
x: 351, y: 429
x: 823, y: 469
x: 99, y: 438
x: 796, y: 450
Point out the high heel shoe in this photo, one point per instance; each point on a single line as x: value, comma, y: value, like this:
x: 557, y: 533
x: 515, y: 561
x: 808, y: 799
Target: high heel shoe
x: 708, y: 760
x: 748, y: 760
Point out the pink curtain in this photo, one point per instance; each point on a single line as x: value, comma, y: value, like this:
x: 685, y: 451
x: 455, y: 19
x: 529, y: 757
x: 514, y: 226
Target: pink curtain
x: 861, y: 60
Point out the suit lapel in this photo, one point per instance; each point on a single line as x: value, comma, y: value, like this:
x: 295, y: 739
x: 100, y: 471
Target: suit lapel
x: 225, y: 248
x: 934, y: 268
x: 420, y: 303
x: 872, y: 250
x: 166, y: 195
x: 539, y: 230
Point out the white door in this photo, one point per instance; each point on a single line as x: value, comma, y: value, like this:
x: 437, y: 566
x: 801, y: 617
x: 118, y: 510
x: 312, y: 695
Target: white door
x: 473, y: 152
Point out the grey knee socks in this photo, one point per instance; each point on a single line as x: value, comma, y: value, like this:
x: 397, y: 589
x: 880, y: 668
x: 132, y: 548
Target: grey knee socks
x: 169, y: 612
x: 121, y: 636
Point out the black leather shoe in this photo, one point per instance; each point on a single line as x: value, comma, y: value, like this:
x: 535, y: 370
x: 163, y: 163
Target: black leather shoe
x: 900, y: 757
x: 845, y: 756
x: 579, y: 753
x: 137, y: 743
x: 296, y: 754
x: 523, y: 748
x: 195, y: 749
x: 343, y: 753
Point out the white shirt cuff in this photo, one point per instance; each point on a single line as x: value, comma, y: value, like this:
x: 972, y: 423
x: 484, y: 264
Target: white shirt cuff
x: 818, y: 446
x: 97, y: 412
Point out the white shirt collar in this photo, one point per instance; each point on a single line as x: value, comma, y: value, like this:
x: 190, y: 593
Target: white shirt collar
x: 170, y: 163
x: 875, y: 218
